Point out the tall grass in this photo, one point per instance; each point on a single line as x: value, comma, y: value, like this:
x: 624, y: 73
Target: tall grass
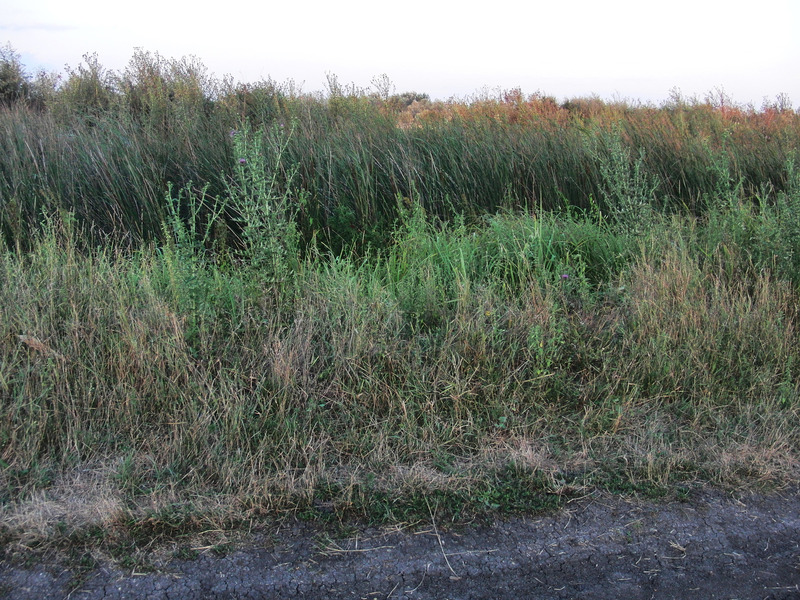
x: 104, y: 145
x: 461, y: 352
x: 221, y: 305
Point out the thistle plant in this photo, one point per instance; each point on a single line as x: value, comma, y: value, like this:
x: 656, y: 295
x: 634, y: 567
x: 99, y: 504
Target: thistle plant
x: 626, y: 186
x: 264, y: 204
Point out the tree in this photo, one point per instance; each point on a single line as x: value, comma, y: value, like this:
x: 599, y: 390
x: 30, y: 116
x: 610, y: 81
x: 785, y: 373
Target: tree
x: 14, y: 82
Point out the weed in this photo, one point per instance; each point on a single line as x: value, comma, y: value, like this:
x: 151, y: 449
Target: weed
x: 184, y: 553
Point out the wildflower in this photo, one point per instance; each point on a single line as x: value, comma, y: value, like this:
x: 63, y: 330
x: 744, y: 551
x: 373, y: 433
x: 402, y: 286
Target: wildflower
x: 564, y: 276
x: 242, y: 161
x: 233, y: 133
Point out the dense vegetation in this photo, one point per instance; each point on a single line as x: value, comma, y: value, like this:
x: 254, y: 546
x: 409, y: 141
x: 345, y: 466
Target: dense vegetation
x: 105, y: 145
x: 223, y: 300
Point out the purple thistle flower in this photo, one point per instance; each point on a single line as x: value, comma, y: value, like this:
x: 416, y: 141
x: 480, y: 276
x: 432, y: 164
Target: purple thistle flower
x: 242, y: 161
x: 233, y: 133
x: 564, y: 276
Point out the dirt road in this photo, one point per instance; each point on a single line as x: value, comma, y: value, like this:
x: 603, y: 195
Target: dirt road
x: 713, y: 546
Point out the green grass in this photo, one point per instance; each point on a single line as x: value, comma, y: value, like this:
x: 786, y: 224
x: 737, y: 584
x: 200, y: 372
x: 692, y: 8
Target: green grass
x: 459, y: 365
x: 104, y: 146
x: 383, y: 311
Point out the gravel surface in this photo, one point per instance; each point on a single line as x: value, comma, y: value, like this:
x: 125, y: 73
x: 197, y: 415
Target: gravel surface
x: 712, y: 546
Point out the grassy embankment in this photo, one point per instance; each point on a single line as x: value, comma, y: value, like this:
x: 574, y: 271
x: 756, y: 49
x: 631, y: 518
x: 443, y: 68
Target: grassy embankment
x: 359, y: 305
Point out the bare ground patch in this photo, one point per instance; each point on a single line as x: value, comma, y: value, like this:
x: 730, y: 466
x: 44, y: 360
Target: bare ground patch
x: 714, y: 545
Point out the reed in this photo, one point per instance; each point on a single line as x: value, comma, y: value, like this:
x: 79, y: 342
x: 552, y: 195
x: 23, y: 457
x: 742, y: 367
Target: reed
x: 105, y: 146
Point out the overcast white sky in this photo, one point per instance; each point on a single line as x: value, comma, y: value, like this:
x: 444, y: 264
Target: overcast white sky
x: 615, y: 49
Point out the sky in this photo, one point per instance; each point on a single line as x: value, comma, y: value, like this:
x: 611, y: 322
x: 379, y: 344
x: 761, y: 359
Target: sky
x: 630, y: 50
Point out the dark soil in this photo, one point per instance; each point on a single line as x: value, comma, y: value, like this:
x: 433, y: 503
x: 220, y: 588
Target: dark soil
x: 712, y: 546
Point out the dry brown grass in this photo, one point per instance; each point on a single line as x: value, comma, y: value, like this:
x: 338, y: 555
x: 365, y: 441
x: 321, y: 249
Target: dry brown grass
x: 189, y: 398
